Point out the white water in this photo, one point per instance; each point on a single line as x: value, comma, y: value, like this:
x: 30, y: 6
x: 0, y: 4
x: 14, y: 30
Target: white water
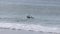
x: 29, y: 27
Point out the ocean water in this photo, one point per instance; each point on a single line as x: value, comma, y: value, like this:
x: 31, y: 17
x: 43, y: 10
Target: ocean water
x: 46, y: 17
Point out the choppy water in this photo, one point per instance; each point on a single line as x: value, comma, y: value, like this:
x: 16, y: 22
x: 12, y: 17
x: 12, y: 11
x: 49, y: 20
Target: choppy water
x: 46, y: 18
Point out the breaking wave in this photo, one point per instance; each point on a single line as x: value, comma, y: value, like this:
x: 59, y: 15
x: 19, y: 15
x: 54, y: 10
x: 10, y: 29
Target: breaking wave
x: 29, y: 27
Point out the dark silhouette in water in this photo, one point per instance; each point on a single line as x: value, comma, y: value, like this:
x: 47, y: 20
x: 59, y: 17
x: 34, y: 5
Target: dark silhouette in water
x: 30, y: 17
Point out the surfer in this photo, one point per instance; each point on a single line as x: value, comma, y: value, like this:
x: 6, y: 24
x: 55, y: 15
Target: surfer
x: 30, y: 17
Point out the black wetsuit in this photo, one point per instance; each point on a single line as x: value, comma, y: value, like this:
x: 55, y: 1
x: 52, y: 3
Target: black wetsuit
x: 29, y: 17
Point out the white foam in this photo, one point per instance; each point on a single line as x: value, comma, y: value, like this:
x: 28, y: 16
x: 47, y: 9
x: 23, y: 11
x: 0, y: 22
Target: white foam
x: 32, y: 27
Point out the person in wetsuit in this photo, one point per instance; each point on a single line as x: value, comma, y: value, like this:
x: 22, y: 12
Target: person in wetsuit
x: 29, y: 17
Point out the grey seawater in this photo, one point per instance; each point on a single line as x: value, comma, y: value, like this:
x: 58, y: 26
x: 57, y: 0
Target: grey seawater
x: 48, y: 16
x: 42, y: 14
